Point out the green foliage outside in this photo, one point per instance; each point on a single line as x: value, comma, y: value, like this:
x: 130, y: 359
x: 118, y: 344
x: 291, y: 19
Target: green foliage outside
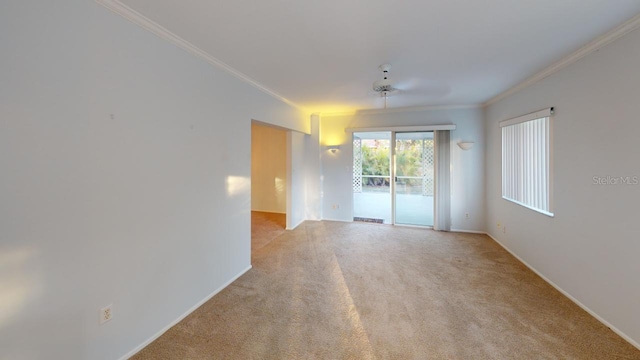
x: 375, y: 160
x: 409, y: 158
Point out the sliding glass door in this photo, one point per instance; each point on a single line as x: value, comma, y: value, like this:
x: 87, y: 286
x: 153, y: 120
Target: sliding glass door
x: 414, y: 178
x: 409, y: 200
x: 372, y: 177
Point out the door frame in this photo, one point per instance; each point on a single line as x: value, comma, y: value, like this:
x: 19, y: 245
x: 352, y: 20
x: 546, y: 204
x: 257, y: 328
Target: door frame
x: 392, y: 163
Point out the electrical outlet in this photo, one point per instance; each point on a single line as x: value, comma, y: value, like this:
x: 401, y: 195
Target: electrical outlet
x: 504, y: 229
x: 335, y: 206
x: 466, y: 215
x: 106, y: 313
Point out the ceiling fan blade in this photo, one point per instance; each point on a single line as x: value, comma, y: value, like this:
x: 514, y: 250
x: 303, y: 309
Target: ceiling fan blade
x: 410, y: 88
x: 417, y: 86
x: 407, y: 84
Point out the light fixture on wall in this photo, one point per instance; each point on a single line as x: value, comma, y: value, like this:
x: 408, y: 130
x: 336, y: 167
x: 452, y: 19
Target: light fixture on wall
x: 333, y: 148
x: 466, y: 145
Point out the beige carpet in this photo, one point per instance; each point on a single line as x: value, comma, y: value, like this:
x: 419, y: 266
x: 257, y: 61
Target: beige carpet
x: 331, y: 290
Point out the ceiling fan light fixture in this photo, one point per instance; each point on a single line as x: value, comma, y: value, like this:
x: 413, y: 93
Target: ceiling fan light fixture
x: 384, y: 86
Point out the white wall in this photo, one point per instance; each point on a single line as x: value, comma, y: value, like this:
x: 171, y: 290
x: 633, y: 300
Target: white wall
x: 296, y: 171
x: 268, y: 169
x: 590, y: 248
x: 467, y: 167
x: 125, y: 179
x: 313, y: 171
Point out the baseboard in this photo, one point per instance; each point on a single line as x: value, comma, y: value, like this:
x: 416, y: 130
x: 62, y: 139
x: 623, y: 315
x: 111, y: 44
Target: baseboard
x: 584, y: 307
x: 181, y: 317
x: 339, y: 220
x: 298, y: 224
x: 269, y: 211
x: 424, y: 227
x: 469, y: 231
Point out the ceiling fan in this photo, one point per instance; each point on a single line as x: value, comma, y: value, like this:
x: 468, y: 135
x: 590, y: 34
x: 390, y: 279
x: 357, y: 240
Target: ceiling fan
x: 423, y: 88
x: 384, y: 87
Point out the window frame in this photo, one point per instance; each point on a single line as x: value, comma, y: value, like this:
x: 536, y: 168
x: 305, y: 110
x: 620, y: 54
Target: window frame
x: 548, y: 162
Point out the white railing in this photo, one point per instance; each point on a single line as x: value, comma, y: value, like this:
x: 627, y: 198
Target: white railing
x: 357, y: 165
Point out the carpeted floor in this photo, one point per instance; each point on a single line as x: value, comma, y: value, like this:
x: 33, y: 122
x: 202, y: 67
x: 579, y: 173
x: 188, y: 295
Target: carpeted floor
x: 330, y: 290
x: 266, y: 226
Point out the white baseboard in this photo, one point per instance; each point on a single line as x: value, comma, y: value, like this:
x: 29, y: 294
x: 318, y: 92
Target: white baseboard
x: 269, y: 211
x: 339, y: 220
x: 424, y: 227
x: 469, y: 231
x: 181, y: 317
x: 296, y: 225
x: 584, y: 307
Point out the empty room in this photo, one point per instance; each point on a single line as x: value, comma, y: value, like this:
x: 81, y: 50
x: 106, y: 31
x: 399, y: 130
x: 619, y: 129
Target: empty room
x: 319, y: 179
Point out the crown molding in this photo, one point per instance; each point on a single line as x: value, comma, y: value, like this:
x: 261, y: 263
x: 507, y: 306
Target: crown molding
x: 594, y: 45
x: 137, y: 18
x: 403, y: 109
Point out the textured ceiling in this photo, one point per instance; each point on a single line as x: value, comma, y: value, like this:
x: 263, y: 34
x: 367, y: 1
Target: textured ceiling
x: 324, y: 55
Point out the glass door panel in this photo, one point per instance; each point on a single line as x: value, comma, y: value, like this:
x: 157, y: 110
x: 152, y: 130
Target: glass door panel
x: 414, y: 178
x: 372, y: 177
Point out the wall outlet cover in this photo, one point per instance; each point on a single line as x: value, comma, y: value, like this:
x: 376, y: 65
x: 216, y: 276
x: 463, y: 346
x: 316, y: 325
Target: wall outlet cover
x: 106, y: 313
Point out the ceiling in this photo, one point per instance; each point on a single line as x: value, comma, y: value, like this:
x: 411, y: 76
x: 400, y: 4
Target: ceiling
x: 324, y: 55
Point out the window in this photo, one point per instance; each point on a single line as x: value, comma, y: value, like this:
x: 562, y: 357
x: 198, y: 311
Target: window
x: 526, y: 178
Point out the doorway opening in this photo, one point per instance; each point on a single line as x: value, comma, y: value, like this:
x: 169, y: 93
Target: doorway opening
x: 394, y: 177
x: 268, y: 184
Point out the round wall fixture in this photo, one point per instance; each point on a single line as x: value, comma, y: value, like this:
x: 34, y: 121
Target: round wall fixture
x: 465, y: 145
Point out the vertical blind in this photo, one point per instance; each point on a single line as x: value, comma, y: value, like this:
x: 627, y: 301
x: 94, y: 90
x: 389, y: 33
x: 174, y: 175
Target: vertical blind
x: 526, y: 161
x: 443, y: 181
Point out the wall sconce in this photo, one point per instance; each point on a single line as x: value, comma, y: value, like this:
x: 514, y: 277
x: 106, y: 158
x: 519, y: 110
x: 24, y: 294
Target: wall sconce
x: 333, y: 148
x: 466, y: 145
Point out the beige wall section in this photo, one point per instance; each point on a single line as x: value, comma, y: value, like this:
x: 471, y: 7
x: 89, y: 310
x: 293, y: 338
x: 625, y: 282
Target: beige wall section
x: 268, y: 169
